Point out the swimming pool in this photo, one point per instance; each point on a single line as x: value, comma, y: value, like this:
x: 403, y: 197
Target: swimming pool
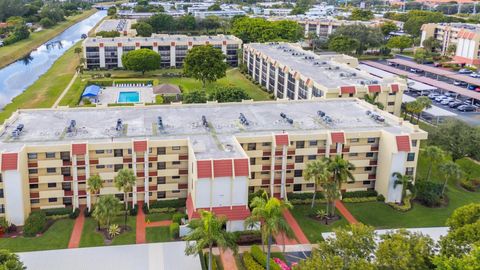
x: 128, y: 97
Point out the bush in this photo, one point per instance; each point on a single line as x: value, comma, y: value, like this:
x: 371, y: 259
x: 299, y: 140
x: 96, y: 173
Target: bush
x: 177, y: 217
x: 162, y: 210
x: 87, y: 213
x: 380, y: 198
x: 244, y: 238
x: 58, y: 211
x: 407, y: 205
x: 360, y: 199
x: 3, y: 224
x: 470, y: 184
x: 133, y: 211
x: 12, y: 228
x: 304, y: 196
x: 175, y: 203
x: 428, y: 193
x: 250, y: 263
x: 145, y: 208
x: 35, y: 223
x: 46, y: 22
x: 75, y: 213
x: 174, y: 230
x: 360, y: 194
x: 306, y: 201
x: 261, y: 258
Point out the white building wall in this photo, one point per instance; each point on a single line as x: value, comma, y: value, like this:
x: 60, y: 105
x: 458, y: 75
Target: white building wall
x: 202, y: 194
x: 13, y: 193
x: 221, y: 192
x: 398, y: 165
x: 238, y: 197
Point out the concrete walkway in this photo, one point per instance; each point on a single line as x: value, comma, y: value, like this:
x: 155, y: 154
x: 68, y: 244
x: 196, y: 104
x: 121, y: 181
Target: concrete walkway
x: 141, y: 225
x: 228, y: 260
x: 76, y: 235
x: 162, y: 223
x: 344, y: 211
x: 65, y: 90
x: 299, y: 235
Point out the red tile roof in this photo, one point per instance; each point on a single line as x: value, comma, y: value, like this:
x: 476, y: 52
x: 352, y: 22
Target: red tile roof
x: 239, y: 212
x: 374, y: 88
x: 241, y: 167
x: 347, y: 90
x: 9, y: 161
x: 395, y: 88
x: 281, y: 139
x: 79, y: 149
x: 338, y: 137
x: 222, y: 168
x: 140, y: 146
x: 403, y: 143
x: 204, y: 169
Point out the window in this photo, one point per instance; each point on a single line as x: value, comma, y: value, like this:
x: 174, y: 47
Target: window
x: 50, y: 155
x: 117, y: 167
x: 311, y: 185
x: 1, y: 192
x: 414, y: 143
x: 32, y: 155
x: 367, y: 169
x: 266, y: 144
x: 109, y: 151
x: 392, y: 93
x: 161, y: 195
x: 298, y: 173
x: 32, y: 171
x: 252, y: 161
x: 52, y: 200
x: 32, y: 186
x: 391, y: 103
x: 313, y: 143
x: 150, y: 165
x: 175, y: 148
x: 52, y: 185
x: 300, y: 144
x: 161, y: 180
x: 129, y: 151
x: 298, y: 159
x: 369, y: 154
x: 161, y: 165
x: 51, y: 170
x: 34, y: 201
x: 365, y: 183
x: 312, y: 157
x: 297, y: 187
x: 161, y: 150
x: 354, y: 140
x: 99, y: 151
x: 411, y: 157
x: 265, y: 158
x: 251, y: 146
x: 352, y: 154
x: 409, y: 171
x: 176, y: 191
x: 118, y: 153
x: 100, y: 166
x: 371, y: 140
x: 176, y: 162
x: 176, y: 177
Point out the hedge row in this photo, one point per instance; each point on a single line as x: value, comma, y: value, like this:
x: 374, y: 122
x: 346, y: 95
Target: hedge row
x: 58, y: 211
x: 406, y: 206
x: 360, y: 199
x: 261, y: 258
x: 304, y: 196
x: 360, y: 194
x: 175, y: 203
x: 250, y: 263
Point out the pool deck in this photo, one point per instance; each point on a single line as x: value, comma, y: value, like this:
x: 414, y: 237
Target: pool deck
x: 109, y: 95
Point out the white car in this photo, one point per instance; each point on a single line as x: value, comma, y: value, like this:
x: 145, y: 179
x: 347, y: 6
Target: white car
x: 474, y: 75
x: 446, y: 101
x: 440, y: 98
x: 433, y: 95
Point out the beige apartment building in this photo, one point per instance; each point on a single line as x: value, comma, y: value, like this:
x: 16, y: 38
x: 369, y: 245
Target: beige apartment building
x: 212, y: 154
x: 290, y: 72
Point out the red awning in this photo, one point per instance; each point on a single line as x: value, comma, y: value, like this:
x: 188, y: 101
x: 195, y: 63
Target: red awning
x: 403, y: 143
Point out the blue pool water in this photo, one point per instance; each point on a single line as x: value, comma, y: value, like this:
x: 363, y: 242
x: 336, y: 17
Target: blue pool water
x: 128, y: 97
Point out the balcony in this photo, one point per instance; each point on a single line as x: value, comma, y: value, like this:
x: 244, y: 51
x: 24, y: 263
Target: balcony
x: 346, y: 149
x: 67, y: 178
x: 278, y: 153
x: 140, y: 174
x: 81, y: 178
x: 374, y: 148
x: 140, y: 189
x: 93, y: 161
x: 152, y: 173
x: 152, y: 158
x: 140, y: 159
x: 291, y: 152
x: 34, y: 195
x: 33, y: 180
x: 321, y: 151
x: 68, y: 193
x: 266, y: 182
x: 183, y: 172
x: 32, y: 164
x: 373, y: 162
x: 266, y: 168
x: 67, y: 163
x: 266, y: 153
x: 82, y: 193
x: 182, y: 186
x: 372, y: 176
x: 80, y: 162
x: 183, y: 157
x: 290, y: 166
x: 152, y: 188
x: 127, y: 160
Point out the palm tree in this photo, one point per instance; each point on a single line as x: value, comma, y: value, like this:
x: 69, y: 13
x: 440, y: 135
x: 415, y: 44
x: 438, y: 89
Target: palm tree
x: 341, y: 172
x: 372, y: 99
x: 405, y: 181
x: 317, y: 171
x: 434, y: 154
x: 423, y: 103
x: 451, y: 171
x: 94, y: 184
x: 269, y: 213
x: 106, y: 209
x: 124, y: 181
x: 206, y: 232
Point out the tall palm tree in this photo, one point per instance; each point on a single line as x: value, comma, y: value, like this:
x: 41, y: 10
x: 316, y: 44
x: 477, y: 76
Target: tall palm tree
x: 405, y: 181
x: 423, y: 103
x: 341, y: 172
x: 106, y: 209
x: 450, y: 171
x: 94, y: 183
x: 434, y: 154
x: 206, y: 232
x: 124, y: 181
x: 317, y: 171
x: 269, y: 213
x: 372, y: 99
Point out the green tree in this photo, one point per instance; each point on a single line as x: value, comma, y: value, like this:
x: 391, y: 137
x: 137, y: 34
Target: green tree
x: 372, y: 99
x: 341, y: 172
x: 205, y: 63
x: 229, y: 94
x: 143, y: 29
x: 207, y: 232
x: 451, y: 172
x: 260, y: 30
x: 420, y: 55
x: 405, y: 181
x: 215, y: 7
x: 210, y: 23
x: 431, y: 44
x: 367, y: 37
x: 125, y: 181
x: 10, y: 261
x: 388, y: 27
x: 77, y: 50
x: 399, y: 42
x: 106, y: 209
x: 46, y: 22
x: 469, y: 261
x: 186, y: 22
x: 451, y: 49
x: 161, y: 22
x: 94, y: 184
x: 269, y: 213
x: 405, y: 251
x: 112, y: 11
x: 317, y: 171
x: 301, y: 6
x: 108, y: 34
x: 194, y: 96
x: 343, y: 44
x: 434, y: 154
x: 361, y: 15
x: 141, y: 60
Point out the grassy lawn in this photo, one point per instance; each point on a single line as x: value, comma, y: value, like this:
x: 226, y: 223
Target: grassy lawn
x: 311, y: 228
x: 158, y: 234
x: 45, y: 91
x: 56, y: 237
x: 90, y: 238
x: 129, y: 237
x: 159, y: 216
x: 11, y: 53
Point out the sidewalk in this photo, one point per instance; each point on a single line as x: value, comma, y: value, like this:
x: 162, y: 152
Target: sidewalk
x: 228, y: 260
x: 344, y: 211
x: 141, y: 225
x: 76, y: 235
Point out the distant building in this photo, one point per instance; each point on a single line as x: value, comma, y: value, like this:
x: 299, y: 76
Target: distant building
x: 123, y: 26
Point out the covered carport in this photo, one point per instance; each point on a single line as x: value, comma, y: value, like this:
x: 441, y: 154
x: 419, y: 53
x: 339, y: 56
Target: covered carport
x: 433, y: 114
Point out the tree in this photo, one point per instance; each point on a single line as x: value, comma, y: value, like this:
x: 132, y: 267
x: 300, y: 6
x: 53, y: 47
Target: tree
x: 207, y: 232
x: 361, y: 15
x: 301, y: 7
x: 229, y: 94
x: 161, y: 22
x: 451, y: 171
x: 112, y: 11
x: 434, y: 154
x: 269, y: 213
x: 400, y: 42
x: 46, y: 22
x: 143, y: 29
x: 94, y: 184
x: 125, y: 181
x: 420, y: 55
x: 106, y: 209
x: 388, y: 27
x: 469, y: 261
x: 451, y: 49
x: 367, y: 37
x: 214, y: 7
x: 77, y: 50
x: 194, y: 96
x: 343, y: 44
x: 404, y: 250
x: 431, y: 44
x: 317, y: 171
x: 10, y: 261
x: 405, y: 181
x: 141, y: 60
x: 210, y: 22
x: 341, y: 172
x: 372, y: 99
x: 260, y: 30
x: 186, y: 22
x: 205, y: 63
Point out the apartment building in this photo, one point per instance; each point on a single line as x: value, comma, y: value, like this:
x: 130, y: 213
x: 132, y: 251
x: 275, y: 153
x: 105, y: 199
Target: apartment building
x: 465, y: 37
x: 107, y: 52
x: 323, y: 27
x: 290, y: 72
x: 212, y: 154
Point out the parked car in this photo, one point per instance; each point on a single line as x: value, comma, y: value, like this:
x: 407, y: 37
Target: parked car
x: 415, y: 70
x: 474, y: 75
x: 440, y: 98
x: 472, y: 87
x: 446, y: 101
x: 459, y: 83
x: 467, y: 108
x: 455, y: 104
x: 433, y: 95
x: 465, y: 71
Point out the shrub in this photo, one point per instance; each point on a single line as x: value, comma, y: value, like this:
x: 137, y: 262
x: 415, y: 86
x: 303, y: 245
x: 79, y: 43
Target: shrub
x: 428, y: 193
x: 306, y: 201
x: 58, y: 211
x: 133, y: 211
x: 87, y: 213
x: 3, y: 224
x: 360, y: 194
x: 174, y: 230
x: 100, y: 83
x: 250, y: 263
x: 380, y: 198
x: 12, y: 228
x: 304, y: 196
x: 177, y: 217
x: 470, y: 184
x: 261, y: 258
x: 46, y: 22
x: 248, y: 237
x: 35, y: 223
x: 75, y: 213
x: 162, y: 210
x: 145, y: 208
x: 360, y: 199
x: 113, y: 230
x: 175, y: 203
x: 407, y: 205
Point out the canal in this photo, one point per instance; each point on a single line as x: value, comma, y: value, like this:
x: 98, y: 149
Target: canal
x: 18, y: 76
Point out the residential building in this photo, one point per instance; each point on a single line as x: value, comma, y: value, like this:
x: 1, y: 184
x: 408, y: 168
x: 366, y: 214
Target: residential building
x: 107, y: 52
x: 465, y: 37
x: 289, y: 72
x: 212, y: 154
x: 229, y: 13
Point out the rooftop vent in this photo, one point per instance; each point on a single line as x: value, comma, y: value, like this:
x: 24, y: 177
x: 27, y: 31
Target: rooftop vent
x: 320, y: 113
x: 284, y: 116
x: 204, y: 121
x: 159, y: 122
x: 243, y: 119
x: 119, y: 126
x: 72, y: 127
x: 16, y: 133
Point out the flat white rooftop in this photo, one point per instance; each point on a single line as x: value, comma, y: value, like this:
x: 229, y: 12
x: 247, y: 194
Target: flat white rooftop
x: 161, y: 38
